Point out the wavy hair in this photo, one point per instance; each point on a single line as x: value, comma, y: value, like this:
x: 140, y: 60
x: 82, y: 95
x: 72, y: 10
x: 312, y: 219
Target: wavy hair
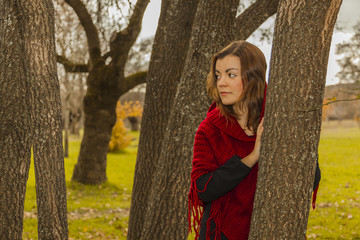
x: 253, y: 70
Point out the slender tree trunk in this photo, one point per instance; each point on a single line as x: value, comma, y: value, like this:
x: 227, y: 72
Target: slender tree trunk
x: 134, y: 123
x: 166, y: 65
x: 31, y: 117
x: 290, y: 141
x: 66, y: 135
x: 167, y: 206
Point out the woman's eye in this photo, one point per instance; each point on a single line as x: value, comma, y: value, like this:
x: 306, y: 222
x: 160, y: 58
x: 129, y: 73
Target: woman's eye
x: 217, y: 77
x: 232, y: 75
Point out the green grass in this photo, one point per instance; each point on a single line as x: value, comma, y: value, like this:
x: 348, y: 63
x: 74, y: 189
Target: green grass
x: 101, y: 212
x: 337, y: 215
x: 94, y: 212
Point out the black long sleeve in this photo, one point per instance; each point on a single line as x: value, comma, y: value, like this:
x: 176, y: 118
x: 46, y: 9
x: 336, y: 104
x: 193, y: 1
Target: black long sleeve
x: 227, y: 176
x: 223, y: 179
x: 317, y: 175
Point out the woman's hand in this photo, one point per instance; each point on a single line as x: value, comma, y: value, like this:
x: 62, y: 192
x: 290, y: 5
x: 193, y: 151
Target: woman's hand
x: 259, y: 132
x: 253, y: 157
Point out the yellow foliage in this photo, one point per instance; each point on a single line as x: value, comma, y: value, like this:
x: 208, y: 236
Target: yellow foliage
x: 132, y: 109
x: 119, y: 137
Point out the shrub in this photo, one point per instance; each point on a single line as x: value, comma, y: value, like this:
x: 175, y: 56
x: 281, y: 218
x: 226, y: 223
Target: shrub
x: 119, y: 137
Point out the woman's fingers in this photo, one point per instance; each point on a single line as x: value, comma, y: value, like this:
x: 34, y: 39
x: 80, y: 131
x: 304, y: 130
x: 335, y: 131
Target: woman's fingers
x: 260, y: 128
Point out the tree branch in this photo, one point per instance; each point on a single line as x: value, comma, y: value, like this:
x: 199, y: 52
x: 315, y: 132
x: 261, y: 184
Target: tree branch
x: 89, y: 27
x: 341, y: 100
x: 253, y: 17
x: 71, y: 67
x: 334, y: 101
x: 135, y: 79
x: 125, y: 39
x: 134, y: 26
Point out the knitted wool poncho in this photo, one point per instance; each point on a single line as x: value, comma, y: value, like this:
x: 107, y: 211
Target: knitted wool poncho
x: 216, y: 141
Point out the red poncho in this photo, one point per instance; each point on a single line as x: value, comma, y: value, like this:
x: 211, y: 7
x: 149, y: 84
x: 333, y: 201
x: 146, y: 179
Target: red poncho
x: 216, y: 141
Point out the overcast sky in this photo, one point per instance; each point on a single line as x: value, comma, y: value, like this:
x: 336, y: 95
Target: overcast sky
x: 348, y: 16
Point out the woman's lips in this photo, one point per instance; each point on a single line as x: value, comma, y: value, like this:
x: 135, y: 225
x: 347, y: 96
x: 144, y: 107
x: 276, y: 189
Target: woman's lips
x: 224, y: 93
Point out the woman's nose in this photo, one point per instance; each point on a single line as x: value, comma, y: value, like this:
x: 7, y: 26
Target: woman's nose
x: 221, y: 82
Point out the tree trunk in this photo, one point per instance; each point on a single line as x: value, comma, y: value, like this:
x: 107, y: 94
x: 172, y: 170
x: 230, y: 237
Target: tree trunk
x: 15, y: 122
x: 99, y: 107
x: 134, y: 123
x: 161, y: 90
x: 30, y: 117
x: 290, y: 141
x: 66, y: 130
x: 168, y: 197
x: 105, y: 84
x: 169, y: 49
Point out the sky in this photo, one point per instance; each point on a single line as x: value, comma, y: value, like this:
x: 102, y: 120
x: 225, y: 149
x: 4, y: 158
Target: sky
x: 348, y: 16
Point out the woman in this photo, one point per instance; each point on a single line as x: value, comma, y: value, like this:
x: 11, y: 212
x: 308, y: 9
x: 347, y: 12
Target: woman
x: 227, y: 145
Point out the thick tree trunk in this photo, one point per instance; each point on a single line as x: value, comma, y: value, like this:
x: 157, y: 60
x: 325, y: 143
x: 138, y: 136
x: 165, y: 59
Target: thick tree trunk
x: 166, y: 65
x: 103, y: 91
x: 300, y: 52
x: 168, y: 197
x: 99, y: 107
x: 30, y: 117
x: 105, y: 84
x: 15, y: 125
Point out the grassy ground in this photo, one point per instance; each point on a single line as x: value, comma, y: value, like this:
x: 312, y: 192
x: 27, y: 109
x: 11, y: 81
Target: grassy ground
x: 101, y: 212
x: 337, y: 215
x: 94, y: 212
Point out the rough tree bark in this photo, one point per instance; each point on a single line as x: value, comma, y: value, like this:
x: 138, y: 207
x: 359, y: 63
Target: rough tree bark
x: 290, y: 141
x: 30, y: 117
x: 262, y: 9
x: 161, y: 89
x: 168, y: 197
x: 166, y: 65
x: 105, y: 84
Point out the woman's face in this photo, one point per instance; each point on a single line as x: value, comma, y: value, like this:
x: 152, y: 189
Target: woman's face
x: 229, y: 82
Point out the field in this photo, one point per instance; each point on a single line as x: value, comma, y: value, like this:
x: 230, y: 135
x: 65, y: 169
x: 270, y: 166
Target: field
x: 101, y: 212
x: 337, y: 215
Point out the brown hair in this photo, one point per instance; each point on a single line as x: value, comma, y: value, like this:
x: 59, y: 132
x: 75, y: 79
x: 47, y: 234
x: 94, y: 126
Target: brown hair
x: 253, y: 70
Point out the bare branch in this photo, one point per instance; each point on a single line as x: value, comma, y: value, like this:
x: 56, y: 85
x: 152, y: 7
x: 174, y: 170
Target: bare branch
x: 71, y: 67
x: 89, y: 27
x: 253, y: 17
x: 106, y: 55
x: 135, y: 79
x: 134, y: 26
x: 334, y: 101
x: 129, y: 34
x: 341, y: 100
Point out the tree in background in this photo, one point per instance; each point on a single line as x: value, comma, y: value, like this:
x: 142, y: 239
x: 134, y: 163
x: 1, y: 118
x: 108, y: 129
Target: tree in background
x: 70, y: 42
x: 350, y: 62
x: 30, y: 119
x: 292, y: 120
x: 139, y: 56
x: 105, y: 81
